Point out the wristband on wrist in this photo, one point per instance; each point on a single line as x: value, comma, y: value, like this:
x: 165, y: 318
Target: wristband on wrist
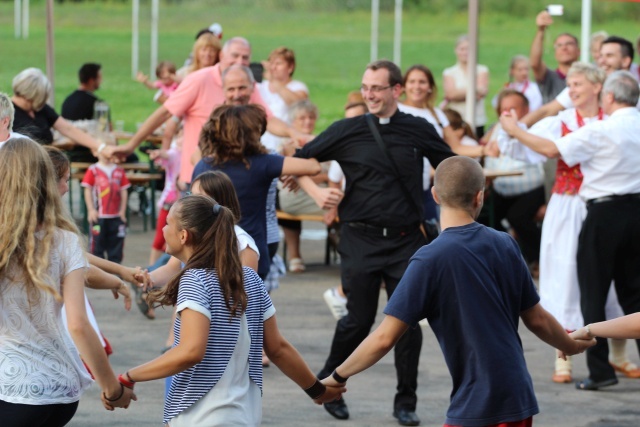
x: 316, y: 390
x: 126, y: 380
x: 117, y: 398
x: 588, y: 329
x: 101, y: 147
x: 338, y: 378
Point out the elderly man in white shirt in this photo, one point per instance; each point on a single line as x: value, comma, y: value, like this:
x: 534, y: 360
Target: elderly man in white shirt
x: 6, y: 119
x: 609, y: 246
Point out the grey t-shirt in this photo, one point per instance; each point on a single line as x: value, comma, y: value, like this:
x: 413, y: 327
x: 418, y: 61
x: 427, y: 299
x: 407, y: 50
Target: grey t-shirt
x: 551, y: 85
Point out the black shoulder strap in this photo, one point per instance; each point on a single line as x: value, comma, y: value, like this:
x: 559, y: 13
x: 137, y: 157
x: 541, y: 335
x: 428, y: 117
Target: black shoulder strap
x: 385, y: 152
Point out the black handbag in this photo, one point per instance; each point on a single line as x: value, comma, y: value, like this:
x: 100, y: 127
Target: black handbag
x: 429, y: 228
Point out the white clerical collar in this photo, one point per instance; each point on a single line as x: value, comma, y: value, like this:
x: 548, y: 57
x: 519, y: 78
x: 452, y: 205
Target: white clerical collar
x: 384, y: 120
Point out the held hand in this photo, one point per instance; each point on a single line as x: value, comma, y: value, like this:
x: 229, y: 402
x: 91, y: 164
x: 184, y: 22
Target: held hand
x: 327, y: 198
x: 331, y: 393
x: 123, y: 217
x: 300, y: 138
x: 122, y: 402
x: 543, y: 20
x: 142, y: 279
x: 331, y: 382
x: 581, y: 334
x: 158, y: 154
x: 509, y: 122
x: 290, y: 182
x: 330, y: 216
x: 123, y: 290
x: 116, y: 152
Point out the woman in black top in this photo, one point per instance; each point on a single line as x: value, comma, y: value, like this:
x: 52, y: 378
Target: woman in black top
x: 34, y: 118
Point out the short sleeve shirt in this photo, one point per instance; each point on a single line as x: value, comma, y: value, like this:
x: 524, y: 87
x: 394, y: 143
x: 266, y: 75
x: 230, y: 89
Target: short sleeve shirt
x: 471, y: 284
x: 252, y: 186
x: 200, y: 291
x: 37, y: 128
x: 39, y: 364
x: 608, y: 152
x: 194, y: 100
x: 106, y: 183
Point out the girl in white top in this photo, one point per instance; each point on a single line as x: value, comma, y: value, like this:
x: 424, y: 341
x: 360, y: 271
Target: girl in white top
x: 280, y: 91
x: 42, y: 265
x: 519, y: 80
x: 456, y: 81
x: 224, y: 317
x: 420, y: 94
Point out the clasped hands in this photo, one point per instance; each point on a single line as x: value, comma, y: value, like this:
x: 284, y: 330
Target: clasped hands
x: 583, y: 341
x: 126, y: 395
x: 332, y: 392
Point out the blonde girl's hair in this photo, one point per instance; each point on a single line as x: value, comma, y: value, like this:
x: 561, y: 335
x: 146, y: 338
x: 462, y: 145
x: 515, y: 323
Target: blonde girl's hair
x: 205, y: 40
x: 215, y: 245
x: 30, y: 212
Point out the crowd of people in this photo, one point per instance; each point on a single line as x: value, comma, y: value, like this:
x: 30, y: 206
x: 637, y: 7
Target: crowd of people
x: 239, y: 144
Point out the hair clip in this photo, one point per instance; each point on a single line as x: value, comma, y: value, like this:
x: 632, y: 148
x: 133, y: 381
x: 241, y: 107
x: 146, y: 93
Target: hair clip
x: 216, y: 209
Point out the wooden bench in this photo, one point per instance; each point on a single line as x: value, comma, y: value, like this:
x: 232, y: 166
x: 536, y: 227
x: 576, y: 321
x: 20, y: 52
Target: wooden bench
x: 306, y: 217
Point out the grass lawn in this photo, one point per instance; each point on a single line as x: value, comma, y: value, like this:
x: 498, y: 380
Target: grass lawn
x: 332, y: 48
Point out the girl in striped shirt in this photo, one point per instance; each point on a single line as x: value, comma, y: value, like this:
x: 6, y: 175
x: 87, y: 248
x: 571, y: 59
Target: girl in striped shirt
x: 224, y: 317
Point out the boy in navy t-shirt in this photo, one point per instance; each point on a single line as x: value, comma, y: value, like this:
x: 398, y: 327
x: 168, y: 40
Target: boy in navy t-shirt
x: 473, y: 286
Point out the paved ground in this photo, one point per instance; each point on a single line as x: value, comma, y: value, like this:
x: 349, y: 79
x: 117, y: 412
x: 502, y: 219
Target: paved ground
x: 305, y: 320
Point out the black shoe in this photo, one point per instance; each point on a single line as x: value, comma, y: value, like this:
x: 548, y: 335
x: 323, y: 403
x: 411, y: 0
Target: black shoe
x: 338, y: 409
x: 406, y: 417
x: 589, y: 384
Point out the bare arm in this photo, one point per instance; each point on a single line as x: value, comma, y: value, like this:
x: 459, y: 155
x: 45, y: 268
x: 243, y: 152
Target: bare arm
x: 98, y: 279
x: 482, y: 86
x: 154, y: 121
x: 325, y: 198
x: 249, y: 258
x: 451, y: 92
x: 190, y: 351
x: 124, y: 196
x: 296, y: 166
x: 129, y: 274
x: 286, y: 357
x: 170, y: 128
x: 75, y: 134
x: 372, y: 349
x: 287, y: 94
x: 546, y: 327
x: 92, y: 213
x: 161, y: 276
x: 543, y: 20
x: 87, y: 341
x: 551, y: 108
x: 625, y: 327
x: 544, y: 146
x: 144, y: 79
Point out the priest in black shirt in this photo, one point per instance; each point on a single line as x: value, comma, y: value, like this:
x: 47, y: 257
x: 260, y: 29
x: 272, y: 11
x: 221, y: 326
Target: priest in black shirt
x: 381, y: 227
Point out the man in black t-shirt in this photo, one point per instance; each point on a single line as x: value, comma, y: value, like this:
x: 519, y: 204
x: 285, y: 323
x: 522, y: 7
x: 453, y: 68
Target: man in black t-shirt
x: 381, y: 227
x: 79, y: 105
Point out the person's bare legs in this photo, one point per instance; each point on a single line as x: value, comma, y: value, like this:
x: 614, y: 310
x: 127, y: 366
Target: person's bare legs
x: 292, y: 239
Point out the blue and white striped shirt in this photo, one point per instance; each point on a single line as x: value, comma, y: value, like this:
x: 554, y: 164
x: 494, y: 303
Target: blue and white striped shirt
x: 200, y: 291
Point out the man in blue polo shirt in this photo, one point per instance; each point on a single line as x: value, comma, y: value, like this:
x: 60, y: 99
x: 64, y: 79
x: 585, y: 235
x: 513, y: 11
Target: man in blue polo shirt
x: 473, y: 286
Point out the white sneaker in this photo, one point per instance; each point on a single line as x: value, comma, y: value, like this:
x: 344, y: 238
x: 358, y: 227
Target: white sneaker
x: 337, y: 303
